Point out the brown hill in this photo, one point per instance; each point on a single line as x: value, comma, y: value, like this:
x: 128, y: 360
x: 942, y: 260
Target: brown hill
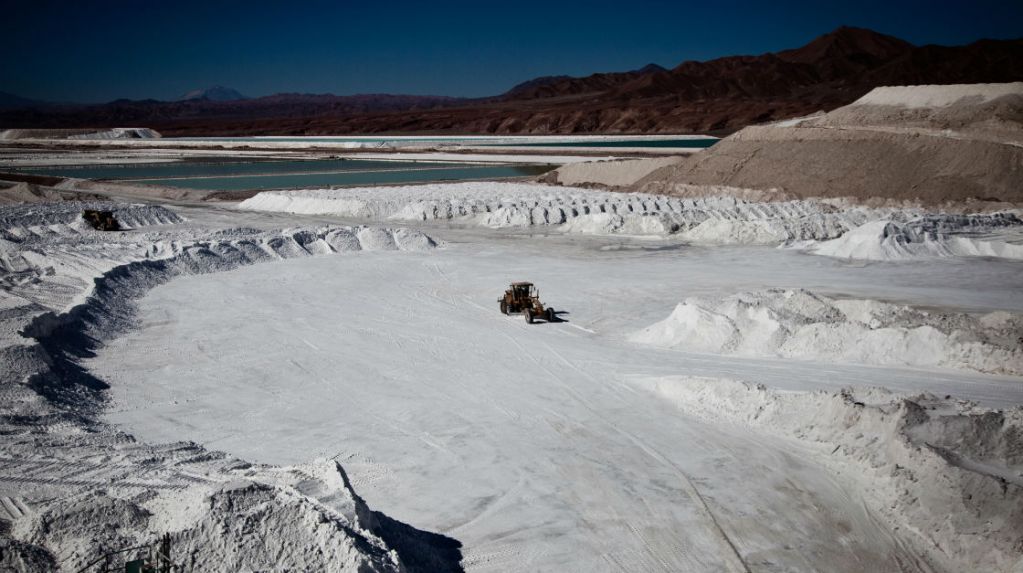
x: 848, y: 49
x: 179, y: 115
x: 720, y: 95
x: 931, y: 144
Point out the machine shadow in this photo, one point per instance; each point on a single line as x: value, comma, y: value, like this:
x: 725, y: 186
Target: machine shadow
x: 420, y: 551
x: 558, y: 316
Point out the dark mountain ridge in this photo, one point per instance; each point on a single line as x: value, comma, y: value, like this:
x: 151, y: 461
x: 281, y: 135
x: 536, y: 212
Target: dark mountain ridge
x: 719, y: 95
x: 11, y: 101
x: 215, y: 93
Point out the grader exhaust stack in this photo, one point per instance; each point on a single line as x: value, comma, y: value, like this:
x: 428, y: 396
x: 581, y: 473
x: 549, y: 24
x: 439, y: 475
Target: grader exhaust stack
x: 523, y: 297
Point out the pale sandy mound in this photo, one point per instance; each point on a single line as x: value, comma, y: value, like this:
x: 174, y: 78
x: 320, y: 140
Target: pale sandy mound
x: 120, y: 133
x: 146, y: 192
x: 804, y: 325
x: 938, y: 96
x: 928, y: 144
x: 82, y: 133
x: 16, y: 189
x: 617, y: 173
x: 22, y: 192
x: 990, y: 112
x: 252, y: 523
x: 17, y: 192
x: 946, y: 473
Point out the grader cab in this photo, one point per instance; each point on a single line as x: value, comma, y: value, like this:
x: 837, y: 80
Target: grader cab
x: 522, y: 297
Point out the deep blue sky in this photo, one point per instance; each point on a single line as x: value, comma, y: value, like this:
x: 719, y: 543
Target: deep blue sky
x: 97, y: 50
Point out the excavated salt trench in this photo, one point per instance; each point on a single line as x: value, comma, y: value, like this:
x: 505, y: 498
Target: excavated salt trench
x: 217, y: 508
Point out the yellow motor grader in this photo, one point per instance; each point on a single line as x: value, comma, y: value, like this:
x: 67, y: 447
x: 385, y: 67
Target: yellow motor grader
x: 523, y: 297
x: 101, y: 220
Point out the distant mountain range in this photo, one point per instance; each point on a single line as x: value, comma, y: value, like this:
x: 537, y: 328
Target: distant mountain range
x: 11, y: 101
x: 548, y: 86
x: 715, y: 96
x: 215, y: 93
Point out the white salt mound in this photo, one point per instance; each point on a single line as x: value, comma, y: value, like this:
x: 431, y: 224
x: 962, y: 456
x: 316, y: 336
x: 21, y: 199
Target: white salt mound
x: 804, y: 325
x: 713, y: 220
x: 298, y: 519
x: 947, y: 473
x: 836, y: 228
x: 46, y: 219
x: 995, y: 235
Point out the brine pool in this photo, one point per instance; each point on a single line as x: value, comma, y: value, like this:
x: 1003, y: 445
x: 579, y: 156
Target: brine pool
x: 238, y: 175
x: 630, y: 142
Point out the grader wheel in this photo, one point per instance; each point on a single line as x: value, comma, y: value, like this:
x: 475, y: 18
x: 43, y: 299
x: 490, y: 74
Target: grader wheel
x: 528, y: 313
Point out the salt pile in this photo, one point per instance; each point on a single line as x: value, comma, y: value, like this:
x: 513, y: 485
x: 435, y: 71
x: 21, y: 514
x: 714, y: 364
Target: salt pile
x: 22, y: 221
x: 262, y: 519
x: 804, y: 325
x: 712, y: 220
x: 948, y: 473
x: 29, y: 260
x: 932, y: 236
x: 833, y: 228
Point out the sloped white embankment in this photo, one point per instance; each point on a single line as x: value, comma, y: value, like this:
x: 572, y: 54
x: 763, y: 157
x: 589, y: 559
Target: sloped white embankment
x: 948, y: 473
x: 74, y: 488
x: 995, y: 235
x: 804, y: 325
x: 713, y: 220
x: 833, y: 228
x: 50, y: 257
x: 262, y: 519
x: 65, y: 218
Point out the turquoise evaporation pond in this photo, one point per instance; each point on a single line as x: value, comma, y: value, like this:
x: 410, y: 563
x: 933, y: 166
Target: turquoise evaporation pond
x: 653, y: 143
x: 685, y: 143
x: 227, y: 176
x: 324, y: 139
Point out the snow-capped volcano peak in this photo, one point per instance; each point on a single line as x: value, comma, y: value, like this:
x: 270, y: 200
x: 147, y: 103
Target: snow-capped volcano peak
x: 215, y: 93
